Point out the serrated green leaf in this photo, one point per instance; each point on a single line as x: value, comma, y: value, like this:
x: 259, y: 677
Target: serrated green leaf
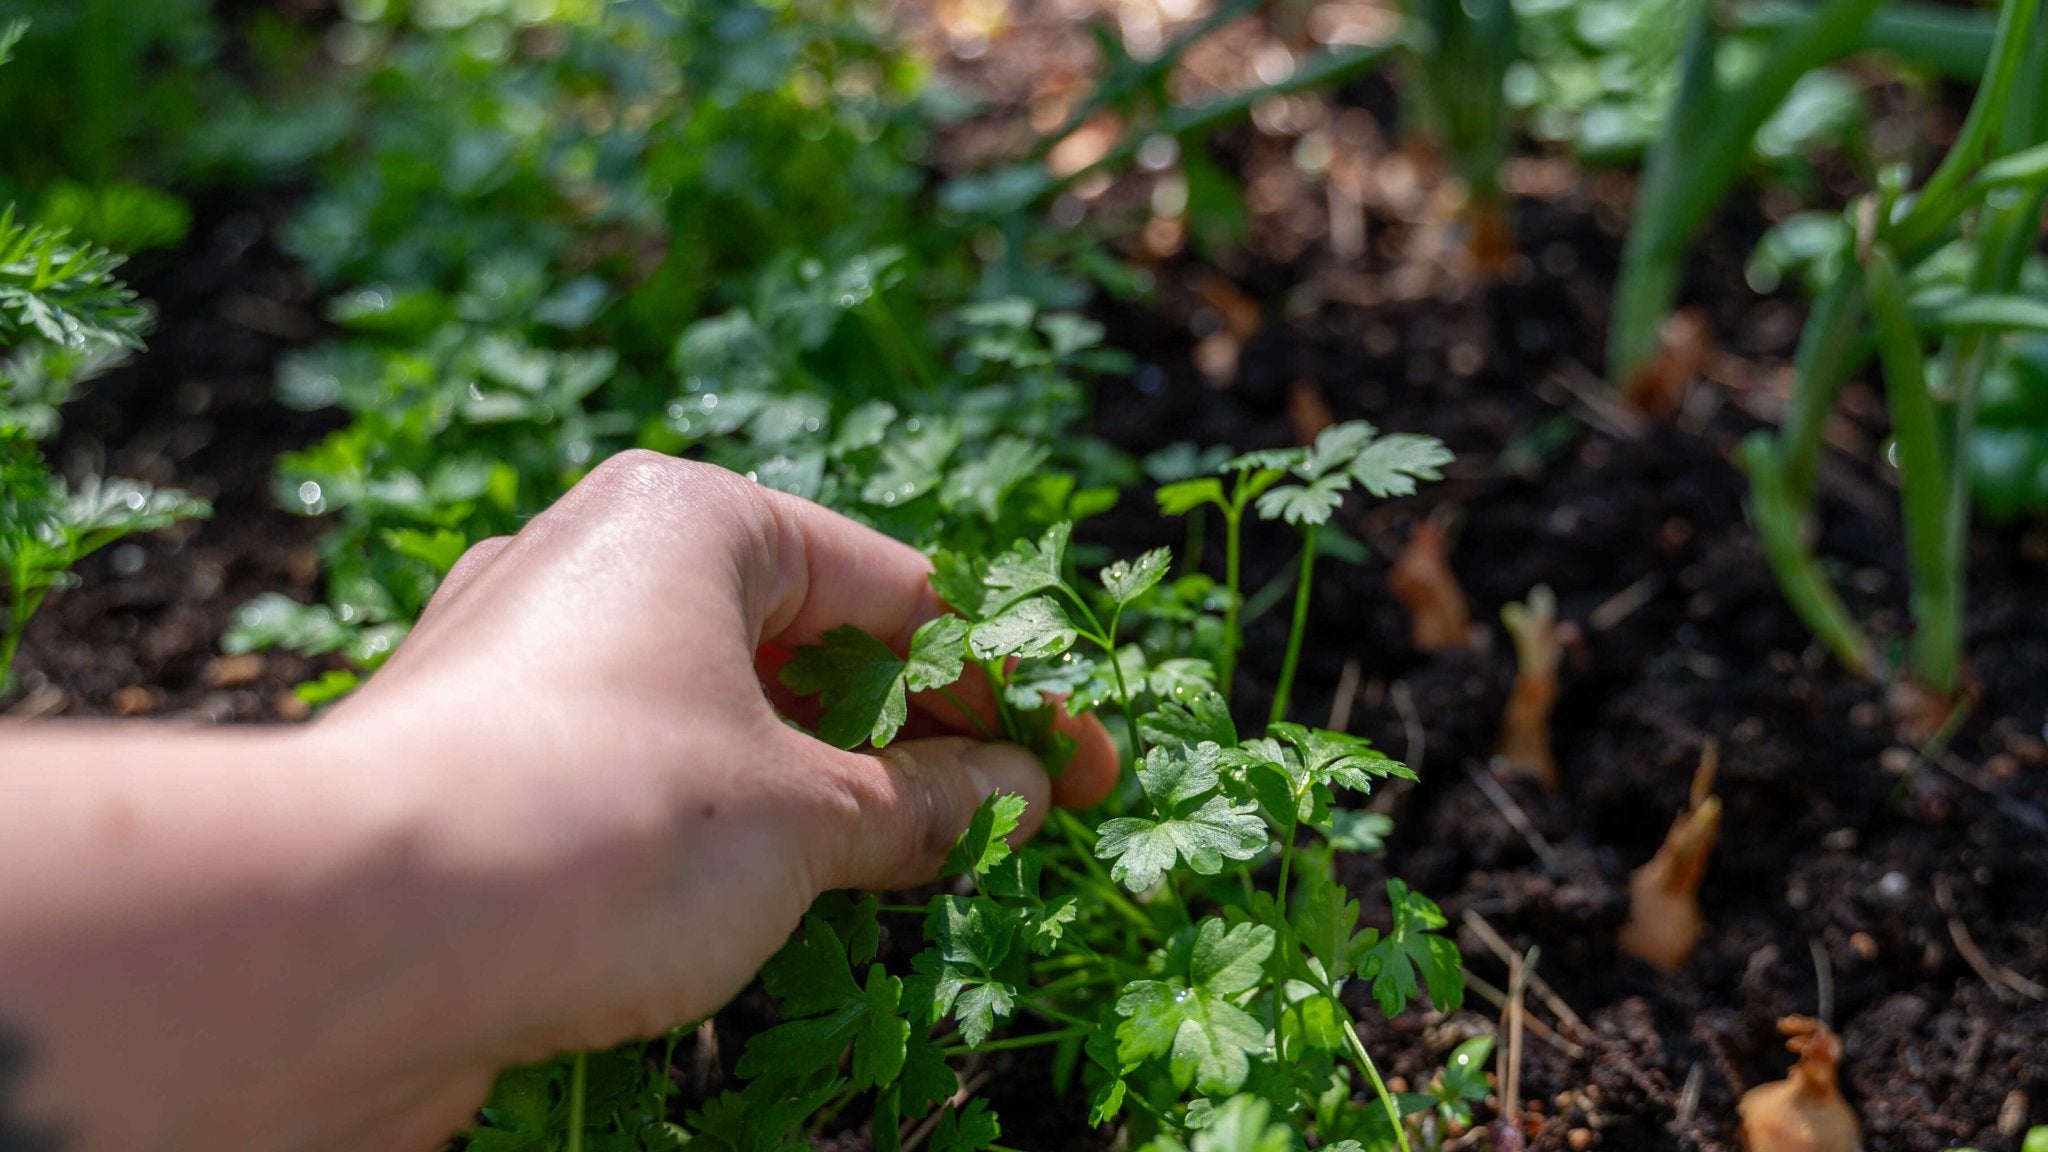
x: 1391, y: 465
x: 859, y: 682
x: 1190, y: 1018
x: 912, y: 465
x: 1202, y: 834
x: 1305, y: 504
x: 1392, y: 961
x: 1183, y: 497
x: 1336, y: 447
x: 1181, y: 678
x: 982, y: 482
x: 1267, y: 460
x: 1243, y: 1124
x: 824, y: 1011
x: 938, y: 652
x: 1031, y: 566
x: 1203, y: 718
x: 1126, y: 580
x: 971, y: 1129
x: 1034, y: 627
x: 983, y: 846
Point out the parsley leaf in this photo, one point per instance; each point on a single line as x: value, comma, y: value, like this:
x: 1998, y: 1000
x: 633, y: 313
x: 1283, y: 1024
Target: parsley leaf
x: 1183, y: 497
x: 1204, y: 717
x: 983, y: 846
x: 824, y: 1010
x: 1391, y: 465
x: 1037, y: 626
x: 864, y: 686
x: 1031, y: 567
x: 971, y: 937
x: 982, y: 482
x: 1192, y: 1017
x: 1310, y: 504
x: 1203, y: 833
x: 971, y: 1129
x: 1411, y: 946
x: 1126, y: 580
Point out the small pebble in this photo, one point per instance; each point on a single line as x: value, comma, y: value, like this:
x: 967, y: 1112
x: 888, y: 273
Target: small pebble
x: 234, y: 671
x: 1864, y: 945
x: 1580, y: 1139
x: 289, y: 707
x: 1840, y: 840
x: 2012, y: 1115
x: 1893, y: 886
x: 134, y: 700
x: 1896, y: 761
x: 1866, y: 714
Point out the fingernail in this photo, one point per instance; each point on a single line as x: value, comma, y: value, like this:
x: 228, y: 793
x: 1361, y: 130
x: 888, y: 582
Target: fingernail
x: 1002, y: 768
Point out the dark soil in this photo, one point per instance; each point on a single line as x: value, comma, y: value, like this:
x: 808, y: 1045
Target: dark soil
x: 140, y: 633
x: 1839, y: 847
x: 1852, y: 880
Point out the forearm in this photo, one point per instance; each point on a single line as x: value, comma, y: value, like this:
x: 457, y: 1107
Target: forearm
x: 183, y: 912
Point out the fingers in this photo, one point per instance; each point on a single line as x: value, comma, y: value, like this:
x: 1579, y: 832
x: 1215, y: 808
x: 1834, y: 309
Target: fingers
x: 899, y: 811
x: 1089, y: 777
x: 831, y: 571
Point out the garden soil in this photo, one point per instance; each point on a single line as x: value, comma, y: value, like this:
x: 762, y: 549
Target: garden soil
x: 1903, y: 897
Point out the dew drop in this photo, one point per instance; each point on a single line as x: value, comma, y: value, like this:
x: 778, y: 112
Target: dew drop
x: 309, y: 493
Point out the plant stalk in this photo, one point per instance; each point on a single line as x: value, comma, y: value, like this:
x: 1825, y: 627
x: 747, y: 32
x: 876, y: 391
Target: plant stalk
x: 1294, y: 635
x: 1379, y: 1086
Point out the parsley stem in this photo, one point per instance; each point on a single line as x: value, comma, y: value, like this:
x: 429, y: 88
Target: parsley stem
x: 1233, y: 578
x: 579, y: 1085
x: 1008, y: 1043
x: 1294, y: 634
x: 904, y: 909
x: 972, y: 717
x: 1372, y: 1073
x: 1123, y: 690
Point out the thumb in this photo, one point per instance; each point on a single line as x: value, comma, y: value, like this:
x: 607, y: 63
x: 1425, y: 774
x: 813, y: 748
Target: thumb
x: 913, y: 799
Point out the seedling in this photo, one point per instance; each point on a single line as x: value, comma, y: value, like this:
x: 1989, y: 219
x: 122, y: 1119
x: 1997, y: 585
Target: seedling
x: 1317, y: 478
x: 1524, y: 747
x: 64, y: 318
x: 1422, y: 580
x: 1142, y: 942
x: 1664, y: 922
x: 1805, y: 1111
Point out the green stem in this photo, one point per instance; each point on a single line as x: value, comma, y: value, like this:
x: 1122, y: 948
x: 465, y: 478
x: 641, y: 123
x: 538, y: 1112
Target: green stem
x: 1123, y: 691
x: 1923, y: 479
x: 1105, y: 889
x: 1936, y: 206
x: 579, y: 1088
x: 980, y: 725
x: 1830, y: 348
x: 1806, y: 588
x: 1233, y: 577
x: 1294, y: 635
x: 1379, y: 1086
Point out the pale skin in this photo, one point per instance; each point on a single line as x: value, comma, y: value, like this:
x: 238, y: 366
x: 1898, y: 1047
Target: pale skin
x: 565, y: 814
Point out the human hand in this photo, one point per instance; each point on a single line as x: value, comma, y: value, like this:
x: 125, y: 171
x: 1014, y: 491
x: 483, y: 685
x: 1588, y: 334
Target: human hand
x: 586, y: 695
x: 565, y: 814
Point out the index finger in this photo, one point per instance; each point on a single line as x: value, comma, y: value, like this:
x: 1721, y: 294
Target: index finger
x: 829, y: 571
